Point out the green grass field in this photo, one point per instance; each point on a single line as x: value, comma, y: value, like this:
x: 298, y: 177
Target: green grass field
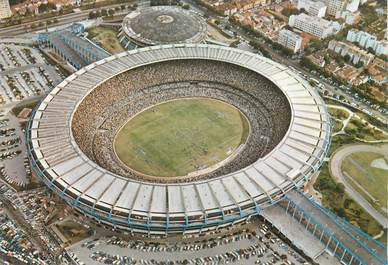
x: 366, y: 179
x: 181, y: 136
x: 107, y: 38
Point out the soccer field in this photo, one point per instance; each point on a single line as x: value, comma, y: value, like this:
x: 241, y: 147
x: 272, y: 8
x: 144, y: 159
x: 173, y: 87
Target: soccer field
x: 181, y: 136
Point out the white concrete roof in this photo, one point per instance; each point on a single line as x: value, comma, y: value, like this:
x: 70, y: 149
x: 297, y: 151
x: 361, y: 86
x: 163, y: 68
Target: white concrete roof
x: 293, y: 160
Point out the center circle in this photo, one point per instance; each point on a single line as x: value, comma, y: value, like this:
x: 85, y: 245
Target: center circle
x: 165, y: 19
x: 182, y: 137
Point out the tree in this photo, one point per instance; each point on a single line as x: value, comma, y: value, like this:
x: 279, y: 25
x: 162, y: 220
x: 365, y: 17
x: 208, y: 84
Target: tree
x: 15, y: 2
x: 104, y: 12
x: 340, y: 212
x: 94, y: 14
x: 340, y: 188
x: 111, y: 12
x: 327, y: 59
x: 46, y: 7
x: 290, y: 11
x: 370, y: 50
x: 359, y: 64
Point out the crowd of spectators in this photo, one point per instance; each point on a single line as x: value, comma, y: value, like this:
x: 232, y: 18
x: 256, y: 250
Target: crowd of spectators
x: 101, y: 114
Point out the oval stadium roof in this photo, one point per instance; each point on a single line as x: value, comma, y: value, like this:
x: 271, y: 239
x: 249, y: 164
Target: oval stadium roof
x: 171, y: 207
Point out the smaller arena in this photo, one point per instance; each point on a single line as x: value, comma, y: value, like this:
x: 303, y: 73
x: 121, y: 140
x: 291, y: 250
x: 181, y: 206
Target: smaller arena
x: 162, y: 25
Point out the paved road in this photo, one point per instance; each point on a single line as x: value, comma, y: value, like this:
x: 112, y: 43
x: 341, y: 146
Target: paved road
x: 344, y: 122
x: 335, y: 168
x: 64, y: 19
x: 17, y: 30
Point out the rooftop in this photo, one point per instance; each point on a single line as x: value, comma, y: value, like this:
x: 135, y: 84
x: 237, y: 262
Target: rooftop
x: 164, y: 25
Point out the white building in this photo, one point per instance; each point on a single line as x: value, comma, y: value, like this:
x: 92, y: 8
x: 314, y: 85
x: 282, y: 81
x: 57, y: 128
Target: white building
x: 366, y: 40
x: 290, y: 40
x: 353, y: 5
x: 349, y: 17
x: 314, y: 8
x: 316, y: 26
x: 335, y: 6
x: 5, y: 10
x: 356, y: 54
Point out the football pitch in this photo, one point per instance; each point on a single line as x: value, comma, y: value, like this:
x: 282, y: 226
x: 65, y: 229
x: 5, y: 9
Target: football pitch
x: 181, y: 136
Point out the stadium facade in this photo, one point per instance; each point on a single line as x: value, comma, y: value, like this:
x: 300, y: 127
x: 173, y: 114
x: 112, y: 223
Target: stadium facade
x: 191, y: 206
x: 77, y: 50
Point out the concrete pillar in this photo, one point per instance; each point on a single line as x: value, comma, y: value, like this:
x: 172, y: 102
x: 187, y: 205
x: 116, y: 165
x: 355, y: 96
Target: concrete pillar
x: 322, y: 233
x: 308, y: 223
x: 293, y: 214
x: 350, y: 262
x: 343, y: 255
x: 315, y: 228
x: 328, y: 242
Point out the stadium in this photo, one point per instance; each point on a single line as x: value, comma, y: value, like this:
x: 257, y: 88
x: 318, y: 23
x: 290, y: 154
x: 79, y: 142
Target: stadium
x: 159, y: 25
x: 183, y: 138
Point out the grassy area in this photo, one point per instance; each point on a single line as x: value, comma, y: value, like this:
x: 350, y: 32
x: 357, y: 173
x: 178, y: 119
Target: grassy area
x: 338, y: 113
x: 181, y: 136
x: 72, y: 231
x: 340, y: 140
x: 337, y: 200
x: 30, y: 104
x: 106, y: 38
x: 366, y: 178
x: 362, y: 131
x: 337, y: 125
x: 333, y: 195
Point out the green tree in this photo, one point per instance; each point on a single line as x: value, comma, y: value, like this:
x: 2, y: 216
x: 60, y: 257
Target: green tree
x: 111, y: 12
x: 104, y: 12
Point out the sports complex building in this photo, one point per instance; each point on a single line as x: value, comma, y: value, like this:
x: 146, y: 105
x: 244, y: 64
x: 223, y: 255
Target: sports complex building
x: 157, y: 25
x: 73, y: 132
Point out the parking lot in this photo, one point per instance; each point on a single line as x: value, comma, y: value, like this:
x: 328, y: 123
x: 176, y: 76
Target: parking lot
x: 254, y: 245
x: 14, y: 164
x: 15, y: 245
x: 24, y: 73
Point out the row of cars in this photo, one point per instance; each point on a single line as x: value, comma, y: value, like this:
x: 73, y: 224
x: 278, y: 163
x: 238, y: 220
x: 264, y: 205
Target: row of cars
x: 11, y: 146
x: 255, y: 244
x: 15, y: 246
x: 34, y: 204
x: 152, y: 246
x: 24, y: 73
x: 234, y: 256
